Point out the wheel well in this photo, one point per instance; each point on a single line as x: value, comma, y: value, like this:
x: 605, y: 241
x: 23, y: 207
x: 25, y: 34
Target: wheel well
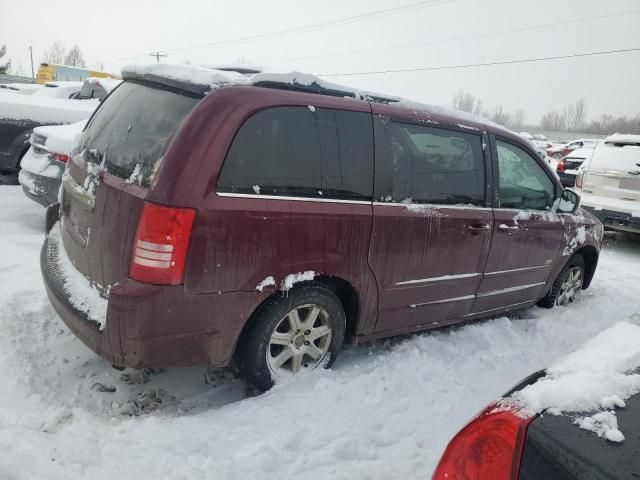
x: 590, y: 256
x: 348, y: 298
x: 344, y: 291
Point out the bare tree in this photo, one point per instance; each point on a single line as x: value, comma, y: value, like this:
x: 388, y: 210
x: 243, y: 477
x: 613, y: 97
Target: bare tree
x: 55, y: 53
x: 499, y: 116
x: 74, y: 57
x: 466, y: 102
x: 98, y: 64
x: 576, y: 113
x: 517, y: 120
x: 6, y: 66
x: 553, y: 121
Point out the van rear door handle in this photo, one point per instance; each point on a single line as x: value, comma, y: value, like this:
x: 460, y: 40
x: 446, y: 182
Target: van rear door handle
x: 476, y: 229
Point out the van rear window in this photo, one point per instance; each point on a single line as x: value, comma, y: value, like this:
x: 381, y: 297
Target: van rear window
x: 302, y: 151
x: 132, y: 128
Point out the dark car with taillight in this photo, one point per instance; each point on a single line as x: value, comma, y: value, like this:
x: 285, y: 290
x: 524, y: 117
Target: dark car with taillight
x: 505, y: 442
x: 210, y: 218
x: 568, y: 167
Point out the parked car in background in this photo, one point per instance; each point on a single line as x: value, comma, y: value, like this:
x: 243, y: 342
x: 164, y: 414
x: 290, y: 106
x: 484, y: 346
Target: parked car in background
x: 563, y: 150
x: 58, y: 90
x: 96, y: 87
x: 579, y: 419
x: 22, y: 88
x: 188, y: 229
x: 568, y: 167
x: 20, y: 114
x: 610, y: 183
x: 43, y: 165
x: 526, y: 135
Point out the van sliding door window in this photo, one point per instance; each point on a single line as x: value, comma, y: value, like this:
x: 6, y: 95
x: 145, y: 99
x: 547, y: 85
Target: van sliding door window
x: 301, y: 151
x: 523, y: 184
x: 423, y: 164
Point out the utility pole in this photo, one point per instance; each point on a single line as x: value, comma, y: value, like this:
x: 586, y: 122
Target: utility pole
x: 33, y: 75
x: 157, y: 55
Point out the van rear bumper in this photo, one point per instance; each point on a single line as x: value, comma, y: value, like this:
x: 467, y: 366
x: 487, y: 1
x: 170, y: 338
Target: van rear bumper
x: 152, y: 325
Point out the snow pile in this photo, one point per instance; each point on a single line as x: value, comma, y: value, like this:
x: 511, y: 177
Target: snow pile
x: 191, y: 74
x: 293, y: 278
x: 267, y: 282
x: 386, y: 410
x: 82, y: 294
x: 45, y: 110
x: 136, y: 176
x: 592, y: 378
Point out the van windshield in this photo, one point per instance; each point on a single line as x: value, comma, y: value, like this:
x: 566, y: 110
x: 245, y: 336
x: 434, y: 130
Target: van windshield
x: 132, y: 128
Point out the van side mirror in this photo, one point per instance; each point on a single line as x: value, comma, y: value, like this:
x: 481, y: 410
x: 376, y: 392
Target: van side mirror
x: 569, y: 201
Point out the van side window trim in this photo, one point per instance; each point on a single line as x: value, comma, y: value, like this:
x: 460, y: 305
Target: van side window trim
x: 294, y: 199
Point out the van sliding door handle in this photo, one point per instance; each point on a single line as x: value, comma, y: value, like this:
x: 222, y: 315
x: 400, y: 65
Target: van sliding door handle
x: 476, y: 229
x: 506, y: 228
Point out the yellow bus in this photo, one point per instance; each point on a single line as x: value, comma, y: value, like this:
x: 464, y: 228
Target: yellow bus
x: 51, y: 71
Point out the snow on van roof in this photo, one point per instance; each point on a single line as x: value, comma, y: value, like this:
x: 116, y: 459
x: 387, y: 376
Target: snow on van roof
x: 207, y: 78
x: 213, y: 78
x: 624, y: 138
x: 308, y: 80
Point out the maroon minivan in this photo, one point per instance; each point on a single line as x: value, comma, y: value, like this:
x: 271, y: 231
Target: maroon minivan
x: 266, y: 221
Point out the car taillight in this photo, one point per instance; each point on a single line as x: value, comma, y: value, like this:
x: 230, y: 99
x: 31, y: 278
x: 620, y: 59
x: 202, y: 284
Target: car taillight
x: 488, y: 448
x: 561, y: 166
x: 161, y: 244
x: 61, y: 157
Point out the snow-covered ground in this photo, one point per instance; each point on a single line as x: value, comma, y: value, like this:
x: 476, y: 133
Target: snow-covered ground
x: 385, y: 410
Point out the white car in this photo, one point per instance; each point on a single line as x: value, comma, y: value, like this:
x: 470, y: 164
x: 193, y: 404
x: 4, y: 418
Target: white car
x: 58, y: 90
x: 610, y: 183
x: 21, y: 88
x: 44, y: 163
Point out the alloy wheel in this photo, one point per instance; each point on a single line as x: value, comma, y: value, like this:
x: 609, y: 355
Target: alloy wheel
x: 300, y: 340
x: 571, y: 286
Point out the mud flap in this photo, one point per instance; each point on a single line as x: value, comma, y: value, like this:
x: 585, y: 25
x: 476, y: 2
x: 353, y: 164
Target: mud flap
x: 52, y: 215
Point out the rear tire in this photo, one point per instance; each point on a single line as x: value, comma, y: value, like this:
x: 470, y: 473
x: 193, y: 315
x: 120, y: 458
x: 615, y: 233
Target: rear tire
x: 567, y: 285
x: 300, y: 330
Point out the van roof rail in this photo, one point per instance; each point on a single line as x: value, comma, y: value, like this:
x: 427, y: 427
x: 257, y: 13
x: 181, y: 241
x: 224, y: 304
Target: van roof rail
x: 318, y: 89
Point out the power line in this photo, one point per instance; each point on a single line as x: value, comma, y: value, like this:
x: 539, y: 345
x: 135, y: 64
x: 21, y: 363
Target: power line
x: 302, y: 29
x: 486, y: 64
x: 450, y: 39
x: 158, y: 55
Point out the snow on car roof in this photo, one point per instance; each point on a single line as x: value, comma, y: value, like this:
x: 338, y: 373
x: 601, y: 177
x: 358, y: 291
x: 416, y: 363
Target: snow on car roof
x: 597, y: 377
x: 623, y: 138
x: 43, y: 109
x: 59, y: 138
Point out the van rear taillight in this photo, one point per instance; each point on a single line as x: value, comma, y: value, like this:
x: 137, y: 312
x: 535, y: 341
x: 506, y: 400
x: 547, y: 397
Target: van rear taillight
x: 160, y: 247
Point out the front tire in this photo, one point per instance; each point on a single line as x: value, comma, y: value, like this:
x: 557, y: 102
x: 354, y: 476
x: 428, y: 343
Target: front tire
x: 300, y: 330
x: 567, y: 285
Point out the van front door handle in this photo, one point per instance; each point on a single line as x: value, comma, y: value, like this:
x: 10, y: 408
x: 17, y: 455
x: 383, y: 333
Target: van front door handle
x: 506, y: 228
x: 476, y: 229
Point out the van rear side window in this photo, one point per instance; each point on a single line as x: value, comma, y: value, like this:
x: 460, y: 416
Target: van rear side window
x: 425, y: 164
x: 301, y: 151
x: 131, y: 130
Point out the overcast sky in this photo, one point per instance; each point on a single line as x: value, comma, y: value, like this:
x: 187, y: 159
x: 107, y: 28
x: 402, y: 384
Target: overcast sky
x: 110, y: 31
